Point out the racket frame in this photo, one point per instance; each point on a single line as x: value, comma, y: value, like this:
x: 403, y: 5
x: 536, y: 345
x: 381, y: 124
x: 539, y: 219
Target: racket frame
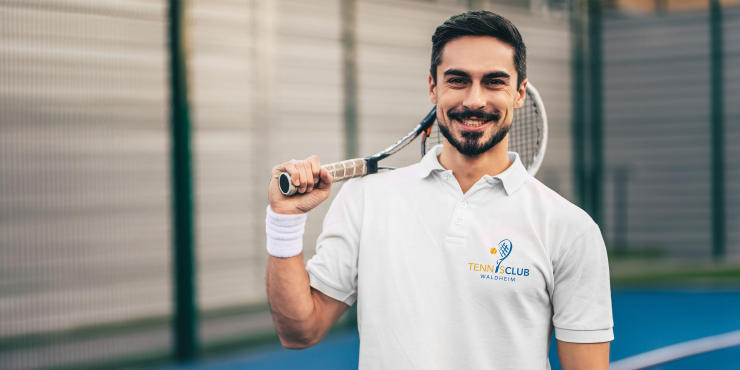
x: 537, y: 160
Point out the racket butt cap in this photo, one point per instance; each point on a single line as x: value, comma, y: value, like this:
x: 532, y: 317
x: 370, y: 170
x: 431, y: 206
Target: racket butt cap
x: 286, y: 185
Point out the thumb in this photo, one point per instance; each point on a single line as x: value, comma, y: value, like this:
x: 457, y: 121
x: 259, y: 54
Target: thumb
x: 326, y: 179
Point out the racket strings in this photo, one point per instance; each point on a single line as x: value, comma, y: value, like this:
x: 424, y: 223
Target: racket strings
x: 525, y: 136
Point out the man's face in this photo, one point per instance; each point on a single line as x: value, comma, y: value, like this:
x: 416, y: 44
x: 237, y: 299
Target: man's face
x: 476, y: 93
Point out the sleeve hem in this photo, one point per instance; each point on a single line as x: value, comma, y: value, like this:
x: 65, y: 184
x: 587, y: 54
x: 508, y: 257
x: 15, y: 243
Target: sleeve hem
x: 584, y: 336
x: 346, y: 298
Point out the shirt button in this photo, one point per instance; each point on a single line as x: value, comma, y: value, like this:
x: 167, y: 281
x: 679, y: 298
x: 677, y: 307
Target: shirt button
x: 458, y: 221
x: 446, y: 177
x: 464, y: 204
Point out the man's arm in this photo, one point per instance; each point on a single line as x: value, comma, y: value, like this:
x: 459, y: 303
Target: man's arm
x: 302, y: 315
x: 583, y: 356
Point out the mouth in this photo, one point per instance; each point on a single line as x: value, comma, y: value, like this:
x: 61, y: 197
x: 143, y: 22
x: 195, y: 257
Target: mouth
x: 472, y: 123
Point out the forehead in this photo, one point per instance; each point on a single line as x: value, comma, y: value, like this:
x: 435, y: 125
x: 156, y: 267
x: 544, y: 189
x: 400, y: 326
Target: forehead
x: 478, y: 54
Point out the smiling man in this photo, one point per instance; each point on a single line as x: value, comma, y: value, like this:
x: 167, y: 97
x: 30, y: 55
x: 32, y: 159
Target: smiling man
x: 462, y: 261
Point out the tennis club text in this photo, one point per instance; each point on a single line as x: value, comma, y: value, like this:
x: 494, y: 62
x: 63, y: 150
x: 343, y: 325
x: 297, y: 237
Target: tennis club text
x: 500, y: 273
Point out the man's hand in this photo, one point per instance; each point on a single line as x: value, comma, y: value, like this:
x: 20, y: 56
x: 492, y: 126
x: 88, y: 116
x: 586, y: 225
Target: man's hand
x: 584, y: 356
x: 313, y: 182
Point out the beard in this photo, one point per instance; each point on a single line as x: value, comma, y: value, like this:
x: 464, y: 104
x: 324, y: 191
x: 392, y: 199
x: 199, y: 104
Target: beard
x: 470, y: 144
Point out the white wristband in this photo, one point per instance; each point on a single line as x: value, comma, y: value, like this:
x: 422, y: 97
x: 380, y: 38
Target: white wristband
x: 284, y: 233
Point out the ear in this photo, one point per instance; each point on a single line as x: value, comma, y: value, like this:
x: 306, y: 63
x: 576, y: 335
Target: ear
x: 521, y: 94
x: 432, y: 90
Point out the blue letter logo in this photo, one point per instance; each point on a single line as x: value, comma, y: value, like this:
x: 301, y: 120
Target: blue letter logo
x: 505, y: 247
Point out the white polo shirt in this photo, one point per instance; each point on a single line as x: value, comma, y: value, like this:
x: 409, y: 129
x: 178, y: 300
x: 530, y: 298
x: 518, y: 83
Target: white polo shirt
x: 446, y: 280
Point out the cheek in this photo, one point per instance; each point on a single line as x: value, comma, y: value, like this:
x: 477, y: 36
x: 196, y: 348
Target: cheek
x: 450, y: 97
x: 502, y: 101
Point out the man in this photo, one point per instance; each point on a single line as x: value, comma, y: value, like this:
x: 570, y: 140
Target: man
x: 462, y: 261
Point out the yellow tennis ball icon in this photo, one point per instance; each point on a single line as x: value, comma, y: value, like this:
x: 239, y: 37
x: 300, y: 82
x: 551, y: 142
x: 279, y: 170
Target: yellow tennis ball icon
x: 493, y: 251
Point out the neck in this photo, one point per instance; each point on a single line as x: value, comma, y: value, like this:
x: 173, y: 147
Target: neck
x: 468, y: 170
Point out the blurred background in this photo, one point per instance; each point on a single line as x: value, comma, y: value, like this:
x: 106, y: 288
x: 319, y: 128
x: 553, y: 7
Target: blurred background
x: 136, y: 139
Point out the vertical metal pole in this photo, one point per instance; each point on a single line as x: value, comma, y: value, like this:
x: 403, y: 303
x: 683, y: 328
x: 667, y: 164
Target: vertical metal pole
x: 349, y: 56
x: 578, y: 106
x: 596, y: 112
x: 185, y: 314
x: 718, y: 164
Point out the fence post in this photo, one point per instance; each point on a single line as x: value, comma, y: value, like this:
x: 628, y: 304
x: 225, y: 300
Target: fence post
x: 718, y: 165
x: 596, y: 190
x: 349, y: 56
x: 185, y: 323
x: 577, y: 15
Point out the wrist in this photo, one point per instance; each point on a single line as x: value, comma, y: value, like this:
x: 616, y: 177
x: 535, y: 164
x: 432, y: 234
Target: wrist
x: 285, y: 211
x: 284, y: 233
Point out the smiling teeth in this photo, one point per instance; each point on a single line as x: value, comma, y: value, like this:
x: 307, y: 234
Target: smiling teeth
x: 471, y: 122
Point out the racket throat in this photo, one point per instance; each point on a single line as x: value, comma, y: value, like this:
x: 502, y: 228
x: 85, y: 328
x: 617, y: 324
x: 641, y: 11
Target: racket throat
x: 372, y: 165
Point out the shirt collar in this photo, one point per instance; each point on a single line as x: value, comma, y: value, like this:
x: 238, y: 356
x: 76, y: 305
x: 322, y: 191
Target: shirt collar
x: 513, y: 178
x: 430, y: 162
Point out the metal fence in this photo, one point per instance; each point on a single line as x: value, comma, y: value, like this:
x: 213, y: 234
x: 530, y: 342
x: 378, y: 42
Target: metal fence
x: 658, y: 137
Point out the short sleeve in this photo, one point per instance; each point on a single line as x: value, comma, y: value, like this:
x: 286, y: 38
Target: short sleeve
x: 333, y: 270
x: 582, y: 307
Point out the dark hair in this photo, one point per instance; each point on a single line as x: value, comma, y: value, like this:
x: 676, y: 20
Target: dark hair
x: 480, y: 23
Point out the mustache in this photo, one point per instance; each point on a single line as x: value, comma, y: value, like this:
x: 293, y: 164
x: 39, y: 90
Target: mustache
x: 467, y: 113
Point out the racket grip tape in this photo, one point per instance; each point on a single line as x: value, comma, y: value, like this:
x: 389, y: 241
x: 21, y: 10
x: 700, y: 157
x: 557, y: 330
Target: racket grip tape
x: 340, y: 171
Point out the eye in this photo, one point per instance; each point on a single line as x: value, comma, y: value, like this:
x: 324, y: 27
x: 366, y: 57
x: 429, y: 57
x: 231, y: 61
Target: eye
x: 495, y: 82
x: 456, y: 81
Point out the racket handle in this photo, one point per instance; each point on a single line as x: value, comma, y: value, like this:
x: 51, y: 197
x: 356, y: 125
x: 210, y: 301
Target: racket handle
x: 340, y: 171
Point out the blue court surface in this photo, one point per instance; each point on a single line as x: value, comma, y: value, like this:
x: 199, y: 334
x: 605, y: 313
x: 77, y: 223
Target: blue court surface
x: 644, y: 320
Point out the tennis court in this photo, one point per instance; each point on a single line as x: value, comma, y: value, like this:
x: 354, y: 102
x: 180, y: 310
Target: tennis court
x: 644, y: 320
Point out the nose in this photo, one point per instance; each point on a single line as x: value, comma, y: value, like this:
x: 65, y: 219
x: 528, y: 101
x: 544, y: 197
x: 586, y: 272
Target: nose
x: 475, y: 99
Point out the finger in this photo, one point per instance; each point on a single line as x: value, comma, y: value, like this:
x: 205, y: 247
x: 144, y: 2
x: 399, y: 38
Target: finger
x: 315, y: 170
x: 315, y: 166
x: 310, y: 180
x: 283, y: 167
x: 291, y: 169
x: 277, y: 170
x: 301, y: 177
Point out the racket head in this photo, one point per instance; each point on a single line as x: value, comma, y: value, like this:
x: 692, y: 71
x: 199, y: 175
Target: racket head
x: 527, y: 136
x: 505, y: 247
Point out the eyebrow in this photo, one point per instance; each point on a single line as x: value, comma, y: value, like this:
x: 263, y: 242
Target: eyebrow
x: 461, y: 73
x: 456, y: 72
x: 497, y: 74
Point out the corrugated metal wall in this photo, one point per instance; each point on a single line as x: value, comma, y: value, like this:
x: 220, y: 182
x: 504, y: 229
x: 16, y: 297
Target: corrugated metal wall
x: 84, y: 192
x: 657, y: 129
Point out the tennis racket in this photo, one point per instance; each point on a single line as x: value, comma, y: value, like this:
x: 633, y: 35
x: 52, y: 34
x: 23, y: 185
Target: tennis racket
x: 505, y: 246
x: 527, y: 137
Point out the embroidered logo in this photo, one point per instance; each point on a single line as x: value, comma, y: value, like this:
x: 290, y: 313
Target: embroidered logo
x: 500, y: 272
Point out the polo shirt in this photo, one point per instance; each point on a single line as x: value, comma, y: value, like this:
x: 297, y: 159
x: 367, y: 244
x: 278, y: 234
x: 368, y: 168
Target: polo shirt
x: 446, y: 280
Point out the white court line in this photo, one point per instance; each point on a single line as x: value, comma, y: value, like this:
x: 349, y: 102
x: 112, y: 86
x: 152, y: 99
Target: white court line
x: 678, y: 351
